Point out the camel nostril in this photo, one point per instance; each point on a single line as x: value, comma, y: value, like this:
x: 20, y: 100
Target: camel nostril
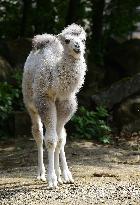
x: 77, y: 45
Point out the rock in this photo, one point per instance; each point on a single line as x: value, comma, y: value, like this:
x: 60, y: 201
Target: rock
x: 127, y: 114
x: 5, y: 69
x: 128, y: 56
x: 123, y: 99
x: 93, y: 82
x: 118, y: 92
x: 94, y: 77
x: 19, y: 50
x: 22, y: 123
x: 122, y: 61
x: 16, y: 51
x: 4, y: 51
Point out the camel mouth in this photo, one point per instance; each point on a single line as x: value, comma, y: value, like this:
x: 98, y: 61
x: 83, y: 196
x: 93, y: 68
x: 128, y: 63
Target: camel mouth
x: 77, y: 51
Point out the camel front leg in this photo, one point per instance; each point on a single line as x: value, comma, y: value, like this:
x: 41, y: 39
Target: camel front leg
x: 65, y: 110
x: 67, y: 176
x: 47, y: 111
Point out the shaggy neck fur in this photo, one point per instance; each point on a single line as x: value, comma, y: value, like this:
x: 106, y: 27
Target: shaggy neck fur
x: 71, y: 74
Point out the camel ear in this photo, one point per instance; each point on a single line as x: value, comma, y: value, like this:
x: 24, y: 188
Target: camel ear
x: 35, y: 41
x: 60, y: 37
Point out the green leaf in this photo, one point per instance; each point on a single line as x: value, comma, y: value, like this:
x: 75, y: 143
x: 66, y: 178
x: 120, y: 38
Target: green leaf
x: 92, y: 124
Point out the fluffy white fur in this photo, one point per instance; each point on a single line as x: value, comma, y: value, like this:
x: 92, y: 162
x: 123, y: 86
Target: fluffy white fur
x: 54, y: 72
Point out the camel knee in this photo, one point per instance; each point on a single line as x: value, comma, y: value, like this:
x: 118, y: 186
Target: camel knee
x: 37, y: 134
x: 61, y: 137
x: 50, y: 143
x: 59, y: 144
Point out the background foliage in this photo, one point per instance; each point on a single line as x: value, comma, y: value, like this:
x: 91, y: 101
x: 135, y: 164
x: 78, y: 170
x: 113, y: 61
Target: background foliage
x: 92, y: 125
x: 101, y: 18
x: 105, y: 21
x: 10, y: 101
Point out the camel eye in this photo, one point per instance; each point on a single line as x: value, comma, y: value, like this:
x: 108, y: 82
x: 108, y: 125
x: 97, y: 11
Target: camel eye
x: 83, y: 40
x: 67, y: 41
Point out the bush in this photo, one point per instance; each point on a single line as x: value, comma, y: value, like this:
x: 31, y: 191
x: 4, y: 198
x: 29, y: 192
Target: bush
x: 92, y: 124
x: 10, y: 100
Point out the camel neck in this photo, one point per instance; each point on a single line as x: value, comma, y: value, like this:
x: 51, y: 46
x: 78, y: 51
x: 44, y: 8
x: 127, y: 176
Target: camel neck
x: 69, y: 59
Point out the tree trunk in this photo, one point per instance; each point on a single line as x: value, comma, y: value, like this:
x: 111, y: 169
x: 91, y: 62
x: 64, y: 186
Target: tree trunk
x: 73, y: 12
x: 45, y: 16
x: 97, y: 26
x: 25, y: 12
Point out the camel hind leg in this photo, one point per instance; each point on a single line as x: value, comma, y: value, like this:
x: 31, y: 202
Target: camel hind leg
x: 37, y: 132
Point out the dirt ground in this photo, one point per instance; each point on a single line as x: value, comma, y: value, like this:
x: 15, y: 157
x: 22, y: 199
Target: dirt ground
x: 104, y: 174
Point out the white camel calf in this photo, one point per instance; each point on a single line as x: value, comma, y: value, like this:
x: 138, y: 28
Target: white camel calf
x: 54, y: 72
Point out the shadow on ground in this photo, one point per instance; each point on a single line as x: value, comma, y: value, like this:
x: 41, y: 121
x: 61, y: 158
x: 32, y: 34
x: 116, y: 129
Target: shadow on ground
x: 103, y: 174
x: 22, y: 152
